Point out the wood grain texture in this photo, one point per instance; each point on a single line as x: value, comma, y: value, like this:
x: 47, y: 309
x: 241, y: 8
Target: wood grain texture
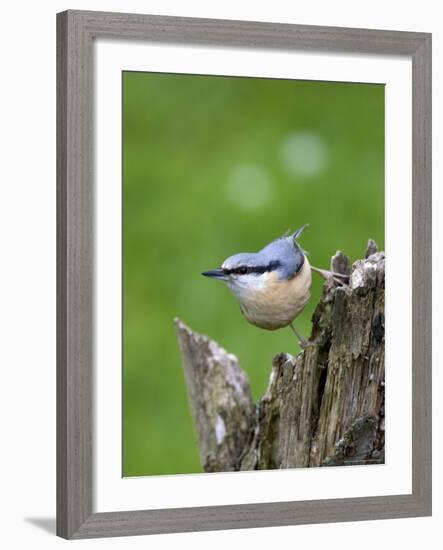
x: 76, y: 32
x: 220, y: 398
x: 74, y: 276
x: 422, y: 272
x: 225, y: 32
x: 353, y: 326
x: 324, y: 407
x: 62, y: 295
x: 211, y: 518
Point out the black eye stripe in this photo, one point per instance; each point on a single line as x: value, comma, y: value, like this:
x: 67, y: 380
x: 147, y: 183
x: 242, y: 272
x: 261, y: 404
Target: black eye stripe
x: 257, y: 269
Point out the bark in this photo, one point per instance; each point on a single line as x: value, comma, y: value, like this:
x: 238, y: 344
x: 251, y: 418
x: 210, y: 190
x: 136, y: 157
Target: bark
x: 220, y: 400
x: 324, y: 407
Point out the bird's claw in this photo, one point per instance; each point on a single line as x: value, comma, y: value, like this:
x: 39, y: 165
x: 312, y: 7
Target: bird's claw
x: 303, y: 343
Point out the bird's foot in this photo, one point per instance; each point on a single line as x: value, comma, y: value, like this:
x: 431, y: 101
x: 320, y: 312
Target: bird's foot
x: 303, y: 343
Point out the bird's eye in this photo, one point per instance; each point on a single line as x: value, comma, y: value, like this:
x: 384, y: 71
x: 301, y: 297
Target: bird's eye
x: 243, y: 270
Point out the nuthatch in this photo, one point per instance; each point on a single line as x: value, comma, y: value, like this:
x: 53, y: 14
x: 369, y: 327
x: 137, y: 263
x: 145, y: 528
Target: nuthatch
x: 272, y: 285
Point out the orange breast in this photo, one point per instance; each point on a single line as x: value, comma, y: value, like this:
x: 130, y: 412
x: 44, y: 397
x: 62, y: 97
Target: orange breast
x: 278, y: 302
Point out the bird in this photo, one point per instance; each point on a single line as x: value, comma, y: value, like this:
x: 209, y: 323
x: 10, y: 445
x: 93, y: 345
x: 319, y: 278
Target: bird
x: 272, y: 285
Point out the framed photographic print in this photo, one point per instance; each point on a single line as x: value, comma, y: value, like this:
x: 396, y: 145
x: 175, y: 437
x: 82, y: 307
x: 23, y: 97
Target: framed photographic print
x: 244, y: 274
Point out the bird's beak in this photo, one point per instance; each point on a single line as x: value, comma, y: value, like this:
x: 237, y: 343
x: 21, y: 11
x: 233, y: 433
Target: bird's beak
x: 215, y: 274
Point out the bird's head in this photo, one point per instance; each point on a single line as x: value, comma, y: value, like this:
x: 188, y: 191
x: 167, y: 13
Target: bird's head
x: 248, y: 272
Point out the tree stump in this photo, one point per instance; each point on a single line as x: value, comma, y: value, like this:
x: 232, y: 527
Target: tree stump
x: 324, y: 407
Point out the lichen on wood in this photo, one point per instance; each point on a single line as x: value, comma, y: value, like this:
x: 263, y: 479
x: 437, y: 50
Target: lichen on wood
x: 220, y: 399
x: 324, y: 407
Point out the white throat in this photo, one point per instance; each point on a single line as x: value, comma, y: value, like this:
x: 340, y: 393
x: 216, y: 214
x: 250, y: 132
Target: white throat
x: 246, y: 286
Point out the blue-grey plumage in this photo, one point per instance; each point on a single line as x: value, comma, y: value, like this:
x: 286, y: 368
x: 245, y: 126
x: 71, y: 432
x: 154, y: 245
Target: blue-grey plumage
x: 272, y: 285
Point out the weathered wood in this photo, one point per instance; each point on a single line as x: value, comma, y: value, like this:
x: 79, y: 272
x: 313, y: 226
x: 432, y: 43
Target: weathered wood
x: 220, y: 399
x: 354, y: 386
x: 324, y: 407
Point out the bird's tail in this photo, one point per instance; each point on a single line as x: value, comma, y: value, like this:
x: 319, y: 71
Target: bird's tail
x: 299, y: 231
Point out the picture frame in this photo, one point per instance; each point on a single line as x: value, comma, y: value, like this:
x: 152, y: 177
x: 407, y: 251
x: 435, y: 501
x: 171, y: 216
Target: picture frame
x: 76, y: 32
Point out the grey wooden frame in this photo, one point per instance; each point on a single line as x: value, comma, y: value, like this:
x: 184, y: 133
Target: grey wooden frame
x: 76, y: 31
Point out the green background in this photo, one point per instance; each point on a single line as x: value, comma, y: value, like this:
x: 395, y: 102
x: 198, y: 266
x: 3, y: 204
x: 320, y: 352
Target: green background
x: 214, y: 166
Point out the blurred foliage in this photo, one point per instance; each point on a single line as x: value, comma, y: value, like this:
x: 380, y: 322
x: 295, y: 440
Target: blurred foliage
x: 215, y: 166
